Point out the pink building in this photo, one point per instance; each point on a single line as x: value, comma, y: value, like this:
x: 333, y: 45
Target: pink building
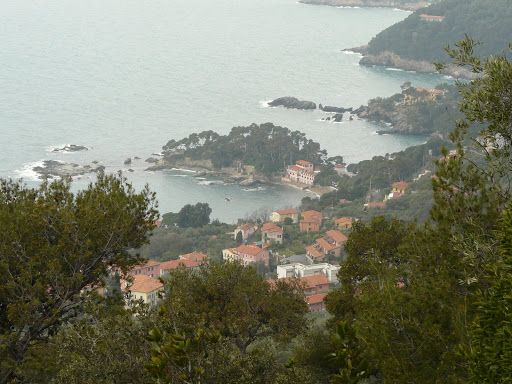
x: 302, y: 172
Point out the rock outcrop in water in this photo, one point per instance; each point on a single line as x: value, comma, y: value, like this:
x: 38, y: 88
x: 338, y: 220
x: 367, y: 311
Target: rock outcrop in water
x: 71, y: 148
x: 52, y: 168
x: 292, y: 103
x: 328, y: 108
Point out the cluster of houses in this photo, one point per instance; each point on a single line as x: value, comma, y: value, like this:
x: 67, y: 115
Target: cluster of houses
x: 144, y: 283
x: 311, y: 268
x: 315, y: 273
x: 398, y: 189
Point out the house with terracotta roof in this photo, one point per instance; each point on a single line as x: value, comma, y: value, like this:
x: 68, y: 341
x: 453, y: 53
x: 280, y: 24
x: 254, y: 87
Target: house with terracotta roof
x: 194, y: 256
x: 431, y: 18
x: 167, y: 266
x: 316, y: 303
x: 310, y: 221
x: 329, y: 245
x: 303, y: 172
x: 247, y: 254
x: 145, y: 288
x: 315, y: 284
x: 400, y: 187
x: 281, y: 215
x: 247, y: 230
x: 344, y: 223
x: 271, y: 233
x: 150, y: 268
x: 397, y: 190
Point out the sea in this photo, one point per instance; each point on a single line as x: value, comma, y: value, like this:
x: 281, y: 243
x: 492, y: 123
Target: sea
x: 122, y: 77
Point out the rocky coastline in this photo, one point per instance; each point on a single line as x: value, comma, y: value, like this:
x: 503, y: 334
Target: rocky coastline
x: 53, y: 169
x: 406, y: 6
x: 390, y: 59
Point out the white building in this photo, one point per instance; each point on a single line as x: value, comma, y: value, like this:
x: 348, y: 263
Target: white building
x: 299, y: 270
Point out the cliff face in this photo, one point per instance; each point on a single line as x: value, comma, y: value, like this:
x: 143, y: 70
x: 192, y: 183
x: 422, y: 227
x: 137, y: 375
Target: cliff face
x: 405, y: 5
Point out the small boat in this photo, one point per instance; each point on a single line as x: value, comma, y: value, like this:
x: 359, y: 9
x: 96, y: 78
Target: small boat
x: 227, y: 199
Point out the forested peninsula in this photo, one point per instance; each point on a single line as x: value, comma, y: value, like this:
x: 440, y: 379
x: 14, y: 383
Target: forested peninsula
x: 262, y: 149
x: 419, y: 40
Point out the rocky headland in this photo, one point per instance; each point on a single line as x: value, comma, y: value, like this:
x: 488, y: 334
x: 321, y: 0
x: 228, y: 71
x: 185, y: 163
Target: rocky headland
x: 404, y: 5
x: 52, y: 168
x: 414, y: 111
x: 392, y: 60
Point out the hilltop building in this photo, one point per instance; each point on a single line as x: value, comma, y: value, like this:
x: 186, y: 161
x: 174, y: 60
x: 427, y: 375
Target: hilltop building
x: 431, y: 18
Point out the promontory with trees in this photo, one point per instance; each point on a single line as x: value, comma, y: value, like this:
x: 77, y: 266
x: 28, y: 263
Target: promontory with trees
x: 418, y: 41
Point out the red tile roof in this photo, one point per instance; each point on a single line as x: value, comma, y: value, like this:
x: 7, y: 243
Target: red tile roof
x: 313, y: 252
x: 337, y: 236
x: 315, y: 280
x: 400, y: 185
x: 174, y: 264
x: 287, y: 211
x: 145, y: 284
x: 194, y: 256
x: 377, y: 204
x: 316, y: 299
x: 252, y: 250
x: 325, y: 245
x: 344, y: 220
x: 304, y: 163
x: 271, y: 228
x: 312, y: 216
x: 294, y: 168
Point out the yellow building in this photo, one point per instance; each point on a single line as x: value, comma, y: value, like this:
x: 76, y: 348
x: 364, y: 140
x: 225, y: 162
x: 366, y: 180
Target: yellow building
x: 144, y: 288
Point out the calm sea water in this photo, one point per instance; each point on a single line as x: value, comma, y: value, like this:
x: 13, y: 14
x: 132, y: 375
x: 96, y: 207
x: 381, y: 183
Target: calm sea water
x: 124, y: 76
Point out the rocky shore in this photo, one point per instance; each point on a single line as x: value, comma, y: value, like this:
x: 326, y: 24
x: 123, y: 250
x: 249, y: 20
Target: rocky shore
x: 243, y: 176
x: 71, y: 148
x: 404, y: 5
x: 390, y: 59
x: 51, y: 169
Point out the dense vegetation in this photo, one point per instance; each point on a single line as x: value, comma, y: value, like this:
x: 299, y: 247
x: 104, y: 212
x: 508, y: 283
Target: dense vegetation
x: 418, y: 303
x: 487, y: 21
x: 414, y: 111
x: 267, y: 147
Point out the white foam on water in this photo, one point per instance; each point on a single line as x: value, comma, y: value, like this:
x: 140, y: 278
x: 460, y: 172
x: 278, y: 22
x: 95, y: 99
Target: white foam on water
x: 264, y: 103
x: 27, y: 171
x: 394, y: 69
x: 352, y: 53
x: 184, y: 170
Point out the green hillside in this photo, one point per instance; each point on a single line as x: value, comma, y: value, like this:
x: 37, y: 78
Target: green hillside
x: 487, y: 21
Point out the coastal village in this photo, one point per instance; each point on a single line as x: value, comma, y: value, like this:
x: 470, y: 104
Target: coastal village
x: 265, y: 245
